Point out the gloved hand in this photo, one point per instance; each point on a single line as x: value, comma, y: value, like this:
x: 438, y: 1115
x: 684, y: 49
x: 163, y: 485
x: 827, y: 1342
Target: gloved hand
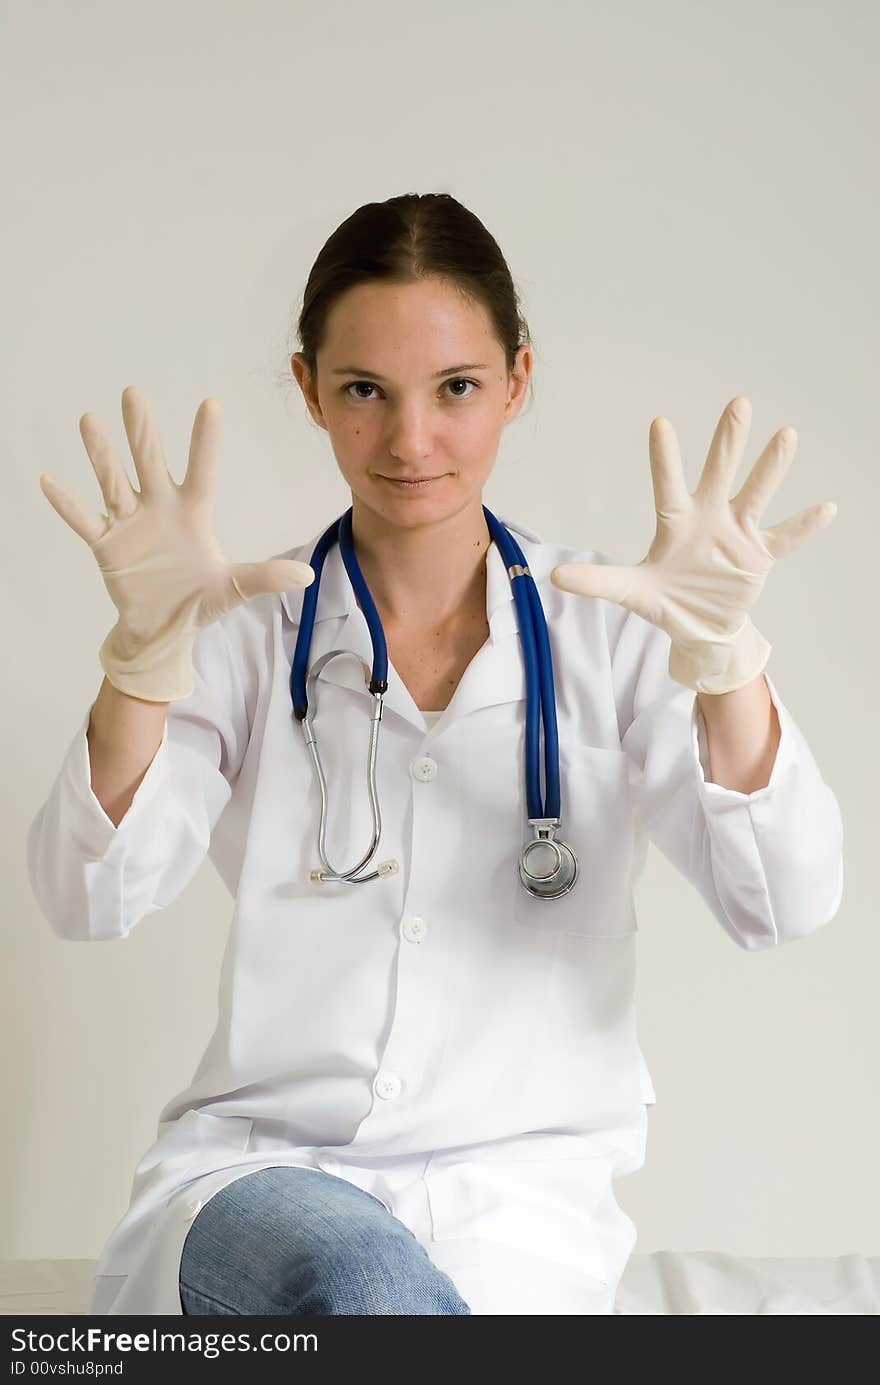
x: 157, y: 552
x: 708, y: 561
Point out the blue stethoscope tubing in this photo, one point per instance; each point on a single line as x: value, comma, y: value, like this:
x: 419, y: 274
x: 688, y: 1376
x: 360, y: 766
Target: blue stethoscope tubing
x: 556, y: 862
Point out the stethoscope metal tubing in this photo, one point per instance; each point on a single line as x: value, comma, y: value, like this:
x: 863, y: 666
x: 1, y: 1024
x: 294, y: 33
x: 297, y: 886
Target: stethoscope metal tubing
x: 328, y: 873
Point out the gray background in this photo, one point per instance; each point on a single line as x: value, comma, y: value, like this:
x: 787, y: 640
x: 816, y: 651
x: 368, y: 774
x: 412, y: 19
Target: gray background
x: 683, y: 196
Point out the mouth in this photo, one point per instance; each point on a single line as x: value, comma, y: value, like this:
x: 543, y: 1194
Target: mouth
x: 420, y: 483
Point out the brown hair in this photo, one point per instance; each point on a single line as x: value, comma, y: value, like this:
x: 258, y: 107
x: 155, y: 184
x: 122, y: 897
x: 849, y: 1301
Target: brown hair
x: 407, y: 238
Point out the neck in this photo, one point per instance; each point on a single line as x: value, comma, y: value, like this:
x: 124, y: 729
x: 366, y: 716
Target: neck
x: 429, y: 575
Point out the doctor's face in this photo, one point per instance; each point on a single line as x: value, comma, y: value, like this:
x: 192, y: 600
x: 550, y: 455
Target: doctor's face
x: 413, y: 385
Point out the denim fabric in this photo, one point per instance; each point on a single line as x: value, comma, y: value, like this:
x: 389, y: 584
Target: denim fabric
x: 292, y: 1240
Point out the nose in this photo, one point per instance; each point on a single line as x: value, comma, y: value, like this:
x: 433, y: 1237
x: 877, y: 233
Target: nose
x: 410, y: 434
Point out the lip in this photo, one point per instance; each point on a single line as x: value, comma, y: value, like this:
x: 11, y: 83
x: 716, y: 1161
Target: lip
x: 421, y: 483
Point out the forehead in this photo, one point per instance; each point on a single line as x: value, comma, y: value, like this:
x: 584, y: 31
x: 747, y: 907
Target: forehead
x: 424, y: 319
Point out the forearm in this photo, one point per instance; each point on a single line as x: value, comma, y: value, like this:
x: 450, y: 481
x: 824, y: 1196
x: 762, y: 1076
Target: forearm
x: 123, y: 736
x: 742, y: 729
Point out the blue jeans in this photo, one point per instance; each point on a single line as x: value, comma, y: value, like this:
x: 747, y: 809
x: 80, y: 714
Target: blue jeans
x: 291, y: 1240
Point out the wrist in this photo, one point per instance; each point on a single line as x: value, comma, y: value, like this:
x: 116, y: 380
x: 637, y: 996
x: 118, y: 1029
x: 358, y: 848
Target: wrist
x: 713, y: 668
x: 149, y: 673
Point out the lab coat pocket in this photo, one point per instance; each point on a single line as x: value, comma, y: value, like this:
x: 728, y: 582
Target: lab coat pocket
x: 596, y: 821
x: 195, y: 1143
x: 185, y: 1149
x: 541, y: 1206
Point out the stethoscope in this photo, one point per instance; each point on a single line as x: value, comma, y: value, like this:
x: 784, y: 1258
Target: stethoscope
x: 548, y: 868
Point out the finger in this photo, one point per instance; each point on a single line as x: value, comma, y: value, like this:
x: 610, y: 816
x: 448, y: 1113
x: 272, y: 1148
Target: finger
x: 671, y: 494
x: 725, y: 450
x: 86, y: 523
x: 116, y: 488
x: 199, y: 484
x: 765, y: 477
x: 276, y: 575
x: 608, y: 581
x: 790, y: 534
x: 144, y: 441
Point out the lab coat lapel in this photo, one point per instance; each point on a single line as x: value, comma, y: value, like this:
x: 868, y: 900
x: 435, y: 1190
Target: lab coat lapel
x: 336, y: 600
x: 346, y: 672
x: 495, y: 675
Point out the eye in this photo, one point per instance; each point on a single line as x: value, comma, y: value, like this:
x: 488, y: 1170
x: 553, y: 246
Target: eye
x: 456, y: 380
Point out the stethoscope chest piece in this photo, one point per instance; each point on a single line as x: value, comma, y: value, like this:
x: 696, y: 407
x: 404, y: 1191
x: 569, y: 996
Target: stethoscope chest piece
x: 547, y: 868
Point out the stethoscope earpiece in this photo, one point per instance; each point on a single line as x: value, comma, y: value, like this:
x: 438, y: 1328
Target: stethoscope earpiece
x: 321, y: 877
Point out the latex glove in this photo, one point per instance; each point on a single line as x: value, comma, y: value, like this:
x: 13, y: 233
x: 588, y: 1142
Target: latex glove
x: 157, y: 552
x: 708, y: 562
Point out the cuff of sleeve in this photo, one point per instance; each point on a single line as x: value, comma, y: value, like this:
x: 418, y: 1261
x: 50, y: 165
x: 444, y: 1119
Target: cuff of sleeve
x: 785, y: 756
x: 92, y: 831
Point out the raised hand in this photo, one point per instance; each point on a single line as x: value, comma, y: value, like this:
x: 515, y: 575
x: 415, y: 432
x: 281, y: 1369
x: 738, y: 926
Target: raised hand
x: 157, y: 551
x: 709, y: 559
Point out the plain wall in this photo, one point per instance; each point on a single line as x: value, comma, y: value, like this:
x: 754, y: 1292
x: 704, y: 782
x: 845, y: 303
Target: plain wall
x: 683, y: 196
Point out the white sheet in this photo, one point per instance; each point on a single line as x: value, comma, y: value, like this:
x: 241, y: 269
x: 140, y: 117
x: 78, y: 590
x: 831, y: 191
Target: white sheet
x: 698, y: 1283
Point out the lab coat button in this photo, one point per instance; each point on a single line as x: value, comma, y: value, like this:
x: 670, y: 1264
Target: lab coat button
x: 387, y: 1085
x: 424, y: 768
x: 414, y: 928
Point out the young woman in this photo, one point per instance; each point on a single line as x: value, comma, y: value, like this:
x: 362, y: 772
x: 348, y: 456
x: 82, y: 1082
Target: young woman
x: 424, y: 1078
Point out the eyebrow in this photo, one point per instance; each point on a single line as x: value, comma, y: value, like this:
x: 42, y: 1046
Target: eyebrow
x: 371, y: 374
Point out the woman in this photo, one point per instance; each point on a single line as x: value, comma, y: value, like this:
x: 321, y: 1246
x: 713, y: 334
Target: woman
x: 441, y: 1067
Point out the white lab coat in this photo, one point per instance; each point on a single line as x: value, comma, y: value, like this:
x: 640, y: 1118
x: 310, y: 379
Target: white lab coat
x: 461, y: 1051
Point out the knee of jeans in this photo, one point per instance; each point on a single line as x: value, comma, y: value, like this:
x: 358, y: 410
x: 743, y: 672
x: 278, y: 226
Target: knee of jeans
x: 361, y: 1251
x: 371, y: 1291
x: 375, y: 1275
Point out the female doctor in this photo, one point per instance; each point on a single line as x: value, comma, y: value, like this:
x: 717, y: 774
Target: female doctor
x: 424, y: 1075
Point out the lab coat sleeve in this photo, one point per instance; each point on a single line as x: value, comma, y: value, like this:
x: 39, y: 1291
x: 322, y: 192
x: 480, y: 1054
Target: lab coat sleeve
x: 769, y: 864
x: 93, y: 880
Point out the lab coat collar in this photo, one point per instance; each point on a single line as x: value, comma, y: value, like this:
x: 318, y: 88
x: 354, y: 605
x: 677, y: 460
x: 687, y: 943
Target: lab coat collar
x: 496, y: 674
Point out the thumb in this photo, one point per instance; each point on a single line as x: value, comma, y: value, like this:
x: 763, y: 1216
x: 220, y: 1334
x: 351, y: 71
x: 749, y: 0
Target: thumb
x: 607, y: 581
x: 276, y: 575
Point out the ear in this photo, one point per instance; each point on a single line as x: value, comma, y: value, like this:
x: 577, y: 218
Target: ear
x: 304, y: 379
x: 518, y: 383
